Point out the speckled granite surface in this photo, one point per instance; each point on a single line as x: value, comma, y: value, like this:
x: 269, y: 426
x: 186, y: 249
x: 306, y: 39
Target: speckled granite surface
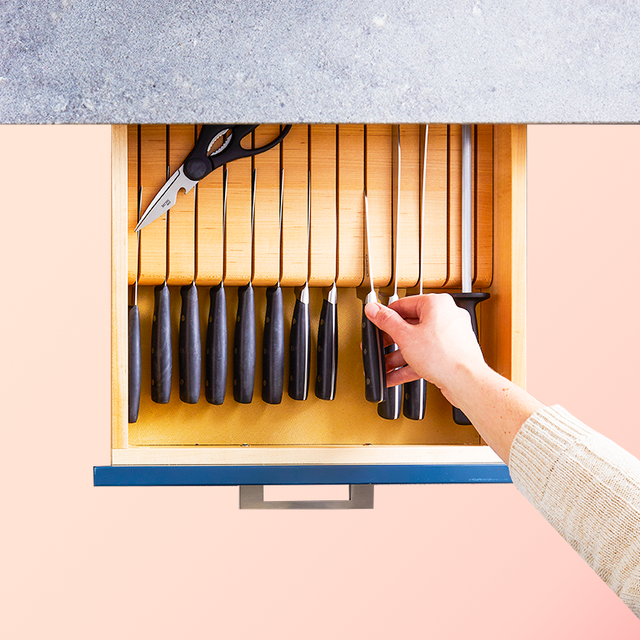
x: 305, y: 61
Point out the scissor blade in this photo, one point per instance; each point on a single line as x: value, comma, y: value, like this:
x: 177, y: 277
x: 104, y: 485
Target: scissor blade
x: 166, y: 197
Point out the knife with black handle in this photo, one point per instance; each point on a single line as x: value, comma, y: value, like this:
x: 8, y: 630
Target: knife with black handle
x: 161, y: 355
x: 216, y: 347
x: 273, y: 348
x: 327, y: 360
x: 135, y: 363
x: 190, y: 347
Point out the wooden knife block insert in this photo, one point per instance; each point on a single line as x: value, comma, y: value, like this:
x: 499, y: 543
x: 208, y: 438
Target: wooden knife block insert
x: 340, y: 161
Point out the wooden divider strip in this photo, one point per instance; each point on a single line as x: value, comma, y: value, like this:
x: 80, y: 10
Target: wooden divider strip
x: 454, y: 212
x: 351, y: 209
x: 484, y: 205
x: 181, y: 247
x: 267, y: 240
x: 209, y: 231
x: 295, y: 162
x: 434, y: 258
x: 239, y: 253
x: 153, y: 175
x: 380, y: 145
x: 132, y: 200
x: 324, y: 231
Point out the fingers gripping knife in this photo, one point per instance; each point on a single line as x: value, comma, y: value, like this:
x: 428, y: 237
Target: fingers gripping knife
x: 372, y: 345
x: 467, y: 299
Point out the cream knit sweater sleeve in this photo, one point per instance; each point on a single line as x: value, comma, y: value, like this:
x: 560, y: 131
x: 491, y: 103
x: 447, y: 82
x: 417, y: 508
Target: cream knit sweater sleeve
x: 588, y: 488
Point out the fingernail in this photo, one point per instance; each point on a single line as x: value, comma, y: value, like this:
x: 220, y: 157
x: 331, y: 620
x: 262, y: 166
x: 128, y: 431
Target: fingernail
x: 372, y: 309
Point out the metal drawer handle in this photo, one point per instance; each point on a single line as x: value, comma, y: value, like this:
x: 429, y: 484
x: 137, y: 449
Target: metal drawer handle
x: 360, y: 497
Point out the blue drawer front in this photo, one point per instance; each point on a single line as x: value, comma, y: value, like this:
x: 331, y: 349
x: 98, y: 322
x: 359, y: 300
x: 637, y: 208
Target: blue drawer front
x: 201, y: 475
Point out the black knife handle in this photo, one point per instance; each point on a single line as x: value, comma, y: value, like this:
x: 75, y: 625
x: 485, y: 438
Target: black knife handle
x: 327, y: 363
x: 273, y: 348
x: 300, y: 352
x: 135, y: 363
x: 373, y: 360
x: 244, y: 346
x: 215, y: 360
x: 468, y: 301
x: 415, y: 399
x: 389, y: 408
x: 161, y: 356
x: 190, y: 347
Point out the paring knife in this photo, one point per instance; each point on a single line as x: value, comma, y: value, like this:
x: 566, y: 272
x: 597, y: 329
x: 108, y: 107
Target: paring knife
x: 300, y: 338
x: 161, y: 351
x: 135, y: 357
x: 189, y: 344
x: 415, y: 392
x: 244, y: 339
x: 372, y: 344
x: 389, y: 408
x: 273, y: 337
x: 327, y: 348
x: 215, y: 361
x: 467, y: 299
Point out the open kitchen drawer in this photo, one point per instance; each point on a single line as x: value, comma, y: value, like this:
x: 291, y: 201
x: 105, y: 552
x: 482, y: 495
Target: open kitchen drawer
x: 343, y: 441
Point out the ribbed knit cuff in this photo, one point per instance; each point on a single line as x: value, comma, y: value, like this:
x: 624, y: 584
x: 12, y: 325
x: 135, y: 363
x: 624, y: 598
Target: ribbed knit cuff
x: 538, y: 445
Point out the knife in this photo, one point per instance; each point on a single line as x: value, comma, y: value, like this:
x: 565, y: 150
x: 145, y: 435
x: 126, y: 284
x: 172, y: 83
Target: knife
x: 215, y: 362
x: 372, y: 344
x: 415, y: 392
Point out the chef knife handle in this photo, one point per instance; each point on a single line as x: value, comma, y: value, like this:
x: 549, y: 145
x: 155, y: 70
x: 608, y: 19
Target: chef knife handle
x: 273, y: 348
x: 299, y: 352
x: 215, y: 360
x: 327, y: 362
x: 373, y: 360
x: 389, y: 408
x: 135, y: 363
x: 161, y: 355
x: 190, y: 347
x: 415, y: 399
x: 244, y: 346
x: 468, y: 301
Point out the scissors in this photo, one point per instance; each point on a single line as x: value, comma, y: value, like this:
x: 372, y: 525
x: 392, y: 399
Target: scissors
x: 202, y: 160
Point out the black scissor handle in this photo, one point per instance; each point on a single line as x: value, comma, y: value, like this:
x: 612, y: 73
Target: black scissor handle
x: 200, y: 162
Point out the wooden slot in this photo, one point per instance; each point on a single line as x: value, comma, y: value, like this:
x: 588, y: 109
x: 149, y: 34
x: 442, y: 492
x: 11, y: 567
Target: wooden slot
x: 267, y: 236
x: 182, y: 217
x: 324, y: 212
x: 434, y: 259
x: 153, y: 175
x: 295, y: 162
x: 351, y: 210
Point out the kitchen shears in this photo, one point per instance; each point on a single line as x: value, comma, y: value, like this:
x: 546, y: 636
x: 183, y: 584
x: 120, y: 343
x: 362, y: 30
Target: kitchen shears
x: 202, y: 160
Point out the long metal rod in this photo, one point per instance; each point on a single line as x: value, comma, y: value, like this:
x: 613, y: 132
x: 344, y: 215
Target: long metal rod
x: 135, y: 286
x: 308, y: 227
x: 466, y: 209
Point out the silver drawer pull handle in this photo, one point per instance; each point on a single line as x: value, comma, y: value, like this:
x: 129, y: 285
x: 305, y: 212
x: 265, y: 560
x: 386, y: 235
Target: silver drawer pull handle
x: 360, y: 497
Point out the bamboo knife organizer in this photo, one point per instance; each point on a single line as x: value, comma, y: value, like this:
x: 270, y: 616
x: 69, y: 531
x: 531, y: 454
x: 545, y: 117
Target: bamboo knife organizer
x: 340, y: 159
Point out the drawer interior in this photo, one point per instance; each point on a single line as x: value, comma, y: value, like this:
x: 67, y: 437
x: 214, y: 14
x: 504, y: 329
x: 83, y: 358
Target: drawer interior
x: 339, y: 161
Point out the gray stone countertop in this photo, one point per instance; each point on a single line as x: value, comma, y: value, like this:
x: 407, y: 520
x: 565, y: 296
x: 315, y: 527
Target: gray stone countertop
x: 68, y: 61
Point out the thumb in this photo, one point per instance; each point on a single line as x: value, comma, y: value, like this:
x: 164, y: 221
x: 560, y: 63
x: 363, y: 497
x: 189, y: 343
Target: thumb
x: 387, y: 320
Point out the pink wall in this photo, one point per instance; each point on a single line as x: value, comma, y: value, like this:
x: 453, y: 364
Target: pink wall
x: 440, y: 562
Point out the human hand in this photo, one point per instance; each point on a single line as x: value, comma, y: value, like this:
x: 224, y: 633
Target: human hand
x: 434, y: 337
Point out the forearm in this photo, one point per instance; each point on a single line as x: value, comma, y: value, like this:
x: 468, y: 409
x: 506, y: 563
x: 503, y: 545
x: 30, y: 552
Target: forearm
x: 496, y: 407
